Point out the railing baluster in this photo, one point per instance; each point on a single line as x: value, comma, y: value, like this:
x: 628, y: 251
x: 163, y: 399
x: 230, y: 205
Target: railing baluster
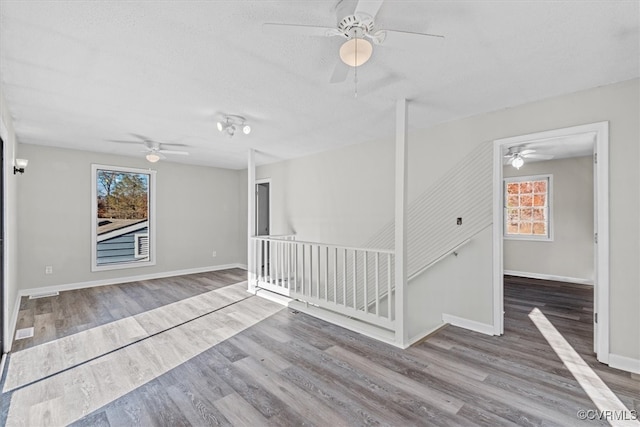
x: 335, y: 275
x: 318, y: 275
x: 389, y: 286
x: 310, y: 270
x: 344, y: 277
x: 377, y: 299
x: 365, y: 283
x: 283, y: 263
x: 295, y: 267
x: 304, y: 262
x: 326, y: 274
x: 288, y: 266
x: 355, y: 279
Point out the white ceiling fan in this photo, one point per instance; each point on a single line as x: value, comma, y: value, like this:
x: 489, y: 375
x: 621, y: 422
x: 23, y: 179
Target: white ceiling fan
x: 515, y: 156
x: 359, y: 30
x: 153, y: 149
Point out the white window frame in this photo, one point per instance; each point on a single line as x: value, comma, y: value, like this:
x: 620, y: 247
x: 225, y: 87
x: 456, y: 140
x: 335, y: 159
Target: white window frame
x: 531, y: 237
x: 151, y: 227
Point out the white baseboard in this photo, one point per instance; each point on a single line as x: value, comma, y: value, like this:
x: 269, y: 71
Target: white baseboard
x: 553, y: 277
x: 120, y: 280
x: 624, y: 363
x: 424, y: 334
x: 472, y: 325
x: 365, y: 329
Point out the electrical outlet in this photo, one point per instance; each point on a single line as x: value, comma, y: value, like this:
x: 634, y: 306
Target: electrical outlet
x: 459, y: 220
x: 214, y: 254
x: 48, y: 269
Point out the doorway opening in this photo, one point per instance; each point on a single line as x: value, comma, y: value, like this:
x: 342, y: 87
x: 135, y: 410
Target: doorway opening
x: 559, y: 141
x: 263, y: 221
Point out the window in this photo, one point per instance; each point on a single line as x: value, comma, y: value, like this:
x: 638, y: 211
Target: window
x: 122, y: 208
x: 527, y: 207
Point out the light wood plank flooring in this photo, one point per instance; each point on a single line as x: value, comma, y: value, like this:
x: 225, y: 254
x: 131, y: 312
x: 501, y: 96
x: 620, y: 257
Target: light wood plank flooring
x: 293, y: 369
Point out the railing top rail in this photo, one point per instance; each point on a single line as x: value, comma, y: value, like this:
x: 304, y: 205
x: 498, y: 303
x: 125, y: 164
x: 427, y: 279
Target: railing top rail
x: 445, y: 254
x: 301, y: 242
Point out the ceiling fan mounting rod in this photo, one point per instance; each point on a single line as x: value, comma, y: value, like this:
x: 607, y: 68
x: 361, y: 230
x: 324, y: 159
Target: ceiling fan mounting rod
x: 353, y: 26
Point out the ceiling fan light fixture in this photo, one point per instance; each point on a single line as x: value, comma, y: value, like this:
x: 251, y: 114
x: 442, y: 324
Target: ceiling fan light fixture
x: 246, y: 129
x: 220, y: 126
x: 152, y: 157
x: 356, y: 51
x: 517, y: 161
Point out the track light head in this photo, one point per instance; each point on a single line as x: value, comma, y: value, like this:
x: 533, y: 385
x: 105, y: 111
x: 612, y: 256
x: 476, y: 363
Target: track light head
x: 230, y: 123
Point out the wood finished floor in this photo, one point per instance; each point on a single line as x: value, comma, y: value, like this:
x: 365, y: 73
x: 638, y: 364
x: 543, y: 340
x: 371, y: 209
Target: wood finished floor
x: 293, y: 369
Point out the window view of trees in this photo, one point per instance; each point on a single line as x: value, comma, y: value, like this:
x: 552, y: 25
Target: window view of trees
x: 122, y: 195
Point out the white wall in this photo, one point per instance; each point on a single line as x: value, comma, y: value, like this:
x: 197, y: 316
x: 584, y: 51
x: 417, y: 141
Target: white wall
x: 197, y: 212
x: 346, y: 195
x: 438, y: 290
x: 338, y: 197
x: 571, y: 252
x: 11, y: 228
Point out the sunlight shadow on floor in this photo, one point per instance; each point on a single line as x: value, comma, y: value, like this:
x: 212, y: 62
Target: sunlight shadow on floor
x: 591, y: 383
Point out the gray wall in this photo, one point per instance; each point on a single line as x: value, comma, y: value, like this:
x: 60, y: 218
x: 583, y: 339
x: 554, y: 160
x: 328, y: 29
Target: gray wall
x: 197, y: 212
x: 346, y: 196
x: 571, y: 252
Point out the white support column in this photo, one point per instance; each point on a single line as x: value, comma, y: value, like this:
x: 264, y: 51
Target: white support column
x: 251, y: 219
x: 402, y: 335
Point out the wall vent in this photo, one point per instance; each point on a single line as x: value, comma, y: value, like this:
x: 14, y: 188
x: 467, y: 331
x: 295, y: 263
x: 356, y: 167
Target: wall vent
x: 24, y: 333
x: 44, y: 295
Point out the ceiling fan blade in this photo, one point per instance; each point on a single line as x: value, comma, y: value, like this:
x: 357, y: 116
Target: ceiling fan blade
x: 368, y: 7
x: 528, y: 151
x: 182, y: 153
x: 122, y: 141
x: 340, y: 72
x: 401, y: 39
x: 304, y: 30
x: 142, y: 137
x: 538, y: 156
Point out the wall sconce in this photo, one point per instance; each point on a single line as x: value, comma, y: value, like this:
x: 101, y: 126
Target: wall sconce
x: 19, y: 165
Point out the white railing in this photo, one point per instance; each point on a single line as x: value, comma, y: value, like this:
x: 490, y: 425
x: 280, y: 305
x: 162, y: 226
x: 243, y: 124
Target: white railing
x: 355, y: 282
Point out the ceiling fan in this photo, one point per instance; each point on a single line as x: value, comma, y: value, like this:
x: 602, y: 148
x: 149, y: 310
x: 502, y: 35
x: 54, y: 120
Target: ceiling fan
x: 153, y: 149
x: 515, y: 156
x: 359, y: 31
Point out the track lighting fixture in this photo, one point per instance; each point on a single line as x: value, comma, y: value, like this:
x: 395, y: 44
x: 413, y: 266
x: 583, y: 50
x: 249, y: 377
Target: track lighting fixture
x: 229, y: 124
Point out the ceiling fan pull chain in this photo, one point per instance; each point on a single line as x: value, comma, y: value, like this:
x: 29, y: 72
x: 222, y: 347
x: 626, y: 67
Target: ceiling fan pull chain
x: 355, y: 72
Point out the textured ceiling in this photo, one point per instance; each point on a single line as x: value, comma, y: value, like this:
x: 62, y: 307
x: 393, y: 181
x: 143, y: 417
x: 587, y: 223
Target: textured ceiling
x: 77, y: 74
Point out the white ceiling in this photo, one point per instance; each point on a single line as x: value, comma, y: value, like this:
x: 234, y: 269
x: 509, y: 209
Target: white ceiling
x: 77, y: 74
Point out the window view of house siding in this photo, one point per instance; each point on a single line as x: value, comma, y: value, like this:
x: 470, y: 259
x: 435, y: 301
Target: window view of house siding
x: 123, y: 217
x: 527, y: 208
